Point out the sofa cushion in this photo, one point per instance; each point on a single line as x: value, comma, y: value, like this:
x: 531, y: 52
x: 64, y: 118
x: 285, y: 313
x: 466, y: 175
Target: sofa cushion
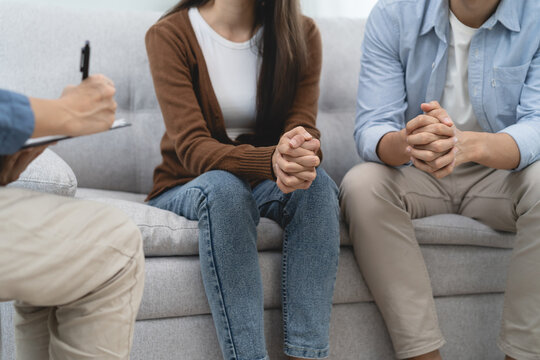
x: 450, y: 229
x: 473, y: 269
x: 50, y: 174
x: 166, y: 234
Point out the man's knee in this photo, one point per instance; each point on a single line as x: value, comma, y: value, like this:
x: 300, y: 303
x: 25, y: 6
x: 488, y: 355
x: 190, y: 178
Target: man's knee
x: 529, y: 196
x: 365, y: 180
x: 119, y: 231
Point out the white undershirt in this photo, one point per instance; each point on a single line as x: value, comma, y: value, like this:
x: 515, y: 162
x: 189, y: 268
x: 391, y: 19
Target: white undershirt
x: 455, y: 98
x: 234, y: 70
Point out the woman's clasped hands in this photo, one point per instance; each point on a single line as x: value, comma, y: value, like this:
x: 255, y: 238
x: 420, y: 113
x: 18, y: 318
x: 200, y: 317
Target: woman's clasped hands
x: 295, y: 160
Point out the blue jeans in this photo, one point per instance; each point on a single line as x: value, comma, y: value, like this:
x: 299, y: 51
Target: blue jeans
x: 228, y: 211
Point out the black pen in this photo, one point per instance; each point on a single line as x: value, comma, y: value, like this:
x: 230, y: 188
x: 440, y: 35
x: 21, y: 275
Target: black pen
x: 85, y: 59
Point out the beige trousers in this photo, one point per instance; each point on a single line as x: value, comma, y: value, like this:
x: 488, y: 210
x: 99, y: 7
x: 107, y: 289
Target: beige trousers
x: 379, y: 202
x: 76, y: 271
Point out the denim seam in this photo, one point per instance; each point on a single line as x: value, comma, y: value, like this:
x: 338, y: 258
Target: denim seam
x: 304, y: 348
x: 264, y: 358
x: 213, y: 263
x: 283, y: 201
x: 307, y: 353
x: 284, y: 272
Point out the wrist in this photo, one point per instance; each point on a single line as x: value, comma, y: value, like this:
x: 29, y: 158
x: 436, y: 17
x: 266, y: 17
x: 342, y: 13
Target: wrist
x: 65, y: 119
x: 474, y: 143
x: 392, y: 148
x: 402, y: 145
x: 50, y: 117
x: 273, y: 163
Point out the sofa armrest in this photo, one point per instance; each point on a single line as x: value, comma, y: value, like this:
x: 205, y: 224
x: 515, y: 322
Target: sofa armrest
x: 7, y: 336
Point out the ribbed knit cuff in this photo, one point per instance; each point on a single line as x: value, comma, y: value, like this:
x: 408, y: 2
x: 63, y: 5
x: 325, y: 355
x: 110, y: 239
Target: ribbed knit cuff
x: 257, y: 163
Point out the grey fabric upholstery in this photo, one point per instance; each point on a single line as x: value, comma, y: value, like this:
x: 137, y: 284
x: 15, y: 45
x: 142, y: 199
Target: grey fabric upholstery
x: 357, y: 332
x: 48, y: 173
x: 466, y: 260
x: 166, y: 234
x: 472, y: 269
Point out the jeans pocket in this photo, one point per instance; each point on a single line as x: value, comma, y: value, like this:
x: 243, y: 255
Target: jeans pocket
x: 508, y: 82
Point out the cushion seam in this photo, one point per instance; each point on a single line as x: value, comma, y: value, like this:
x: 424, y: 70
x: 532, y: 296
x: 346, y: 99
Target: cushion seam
x: 460, y: 228
x: 168, y: 227
x: 26, y: 180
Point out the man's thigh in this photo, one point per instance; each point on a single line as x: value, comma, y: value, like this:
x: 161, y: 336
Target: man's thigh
x: 55, y: 250
x: 500, y: 198
x: 370, y: 185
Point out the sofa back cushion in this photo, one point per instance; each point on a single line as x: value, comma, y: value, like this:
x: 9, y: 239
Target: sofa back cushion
x: 39, y: 55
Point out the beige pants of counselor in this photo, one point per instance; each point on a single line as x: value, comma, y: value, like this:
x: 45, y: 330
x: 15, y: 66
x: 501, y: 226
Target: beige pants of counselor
x: 75, y: 269
x: 379, y: 203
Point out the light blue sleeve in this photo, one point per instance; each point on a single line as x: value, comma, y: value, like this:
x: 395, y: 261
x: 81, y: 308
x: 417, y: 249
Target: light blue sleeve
x: 381, y: 101
x: 16, y: 121
x: 526, y: 132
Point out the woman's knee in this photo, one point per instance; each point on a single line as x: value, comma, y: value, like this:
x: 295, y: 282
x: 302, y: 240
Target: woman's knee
x: 320, y: 198
x: 323, y: 183
x: 225, y: 189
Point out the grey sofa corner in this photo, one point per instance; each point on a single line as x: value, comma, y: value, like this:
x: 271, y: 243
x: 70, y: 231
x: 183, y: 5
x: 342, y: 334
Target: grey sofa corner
x: 466, y: 260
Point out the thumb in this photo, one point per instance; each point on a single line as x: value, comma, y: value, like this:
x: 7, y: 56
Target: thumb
x: 438, y: 112
x: 427, y: 107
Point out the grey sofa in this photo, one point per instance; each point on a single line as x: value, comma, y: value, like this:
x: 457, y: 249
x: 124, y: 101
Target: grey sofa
x: 39, y: 54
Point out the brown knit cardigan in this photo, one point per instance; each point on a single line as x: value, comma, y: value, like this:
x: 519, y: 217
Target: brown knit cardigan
x: 195, y: 140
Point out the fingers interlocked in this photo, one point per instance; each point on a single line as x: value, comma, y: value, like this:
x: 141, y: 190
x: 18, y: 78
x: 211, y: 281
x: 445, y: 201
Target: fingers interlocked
x: 295, y: 160
x: 432, y: 140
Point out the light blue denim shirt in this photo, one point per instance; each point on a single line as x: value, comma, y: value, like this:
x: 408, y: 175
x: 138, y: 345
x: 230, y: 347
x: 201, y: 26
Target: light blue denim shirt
x: 404, y: 63
x: 16, y: 121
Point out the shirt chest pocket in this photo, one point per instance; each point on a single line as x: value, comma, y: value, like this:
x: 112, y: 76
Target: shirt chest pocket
x: 508, y: 83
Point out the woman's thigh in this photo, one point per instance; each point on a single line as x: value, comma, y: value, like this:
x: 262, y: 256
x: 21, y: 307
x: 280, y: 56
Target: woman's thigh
x: 219, y: 192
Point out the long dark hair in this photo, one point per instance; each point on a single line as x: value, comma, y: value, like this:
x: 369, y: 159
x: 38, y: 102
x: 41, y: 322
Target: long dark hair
x: 284, y: 57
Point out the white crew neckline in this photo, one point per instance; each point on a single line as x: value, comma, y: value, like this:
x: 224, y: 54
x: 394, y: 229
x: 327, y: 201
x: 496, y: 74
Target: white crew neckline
x: 220, y: 39
x: 457, y: 25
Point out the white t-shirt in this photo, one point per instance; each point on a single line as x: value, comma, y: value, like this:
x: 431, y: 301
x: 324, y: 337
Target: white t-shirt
x: 234, y: 71
x: 455, y: 98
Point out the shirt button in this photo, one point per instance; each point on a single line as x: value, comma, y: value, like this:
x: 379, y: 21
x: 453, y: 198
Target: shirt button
x: 476, y: 53
x: 433, y: 66
x: 493, y: 83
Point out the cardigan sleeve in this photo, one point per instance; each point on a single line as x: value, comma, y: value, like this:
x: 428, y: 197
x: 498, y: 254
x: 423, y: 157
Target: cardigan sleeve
x: 304, y: 110
x: 185, y: 125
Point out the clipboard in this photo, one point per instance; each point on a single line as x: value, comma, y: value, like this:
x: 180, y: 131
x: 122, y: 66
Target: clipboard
x: 117, y: 124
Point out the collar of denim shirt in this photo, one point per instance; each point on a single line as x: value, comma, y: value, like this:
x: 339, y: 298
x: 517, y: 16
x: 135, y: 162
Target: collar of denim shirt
x: 436, y: 17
